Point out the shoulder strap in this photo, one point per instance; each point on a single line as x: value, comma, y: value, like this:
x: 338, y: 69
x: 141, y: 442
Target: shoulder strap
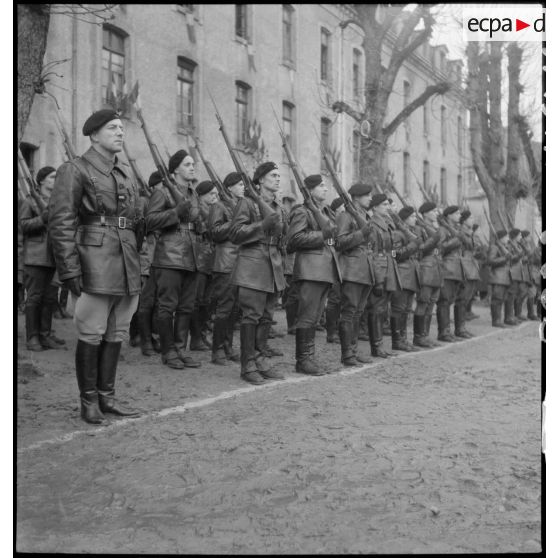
x: 78, y: 163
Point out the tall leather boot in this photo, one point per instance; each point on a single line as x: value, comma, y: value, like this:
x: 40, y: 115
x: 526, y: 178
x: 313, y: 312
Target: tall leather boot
x: 135, y: 339
x: 403, y: 332
x: 419, y: 335
x: 518, y: 306
x: 496, y: 314
x: 144, y: 327
x: 508, y: 312
x: 348, y: 358
x: 169, y: 355
x: 442, y: 315
x: 531, y: 315
x: 427, y: 322
x: 196, y: 333
x: 263, y: 352
x: 155, y: 330
x: 62, y: 303
x: 397, y: 343
x: 230, y: 353
x: 87, y: 356
x: 459, y: 321
x: 469, y: 314
x: 181, y: 328
x: 290, y: 312
x: 45, y: 328
x: 248, y: 371
x: 32, y: 327
x: 356, y: 335
x: 218, y: 355
x: 332, y: 316
x: 304, y: 352
x: 106, y: 376
x: 376, y: 326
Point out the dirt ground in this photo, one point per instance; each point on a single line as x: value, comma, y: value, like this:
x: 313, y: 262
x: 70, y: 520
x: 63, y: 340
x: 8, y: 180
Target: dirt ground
x: 437, y: 451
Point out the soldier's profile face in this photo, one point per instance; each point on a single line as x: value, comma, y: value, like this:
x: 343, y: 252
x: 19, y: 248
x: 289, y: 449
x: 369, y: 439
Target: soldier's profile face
x: 382, y: 208
x: 186, y: 169
x: 211, y: 197
x: 454, y: 217
x: 237, y: 189
x: 364, y: 201
x: 48, y: 183
x: 411, y: 220
x: 271, y: 181
x: 110, y: 136
x: 319, y: 192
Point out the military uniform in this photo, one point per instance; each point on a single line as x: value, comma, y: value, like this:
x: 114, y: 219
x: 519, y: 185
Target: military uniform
x: 94, y: 211
x: 532, y: 264
x: 520, y: 279
x: 499, y: 279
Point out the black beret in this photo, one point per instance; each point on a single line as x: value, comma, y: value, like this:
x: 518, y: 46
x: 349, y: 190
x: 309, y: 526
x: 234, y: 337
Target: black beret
x: 154, y: 179
x: 43, y: 173
x: 204, y: 187
x: 465, y: 214
x: 377, y: 199
x: 231, y: 179
x: 176, y: 159
x: 501, y: 234
x: 336, y: 204
x: 98, y: 120
x: 313, y: 180
x: 525, y: 233
x: 406, y: 212
x: 360, y: 189
x: 475, y: 226
x: 263, y: 169
x: 426, y: 207
x: 450, y: 209
x: 514, y: 232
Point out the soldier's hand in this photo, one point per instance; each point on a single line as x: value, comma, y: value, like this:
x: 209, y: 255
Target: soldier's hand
x: 367, y: 229
x: 329, y: 231
x: 183, y: 209
x: 44, y: 216
x: 73, y: 286
x: 270, y: 222
x: 378, y: 290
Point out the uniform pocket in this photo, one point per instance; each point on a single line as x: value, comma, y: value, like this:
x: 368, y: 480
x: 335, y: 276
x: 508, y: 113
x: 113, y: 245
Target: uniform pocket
x: 90, y: 238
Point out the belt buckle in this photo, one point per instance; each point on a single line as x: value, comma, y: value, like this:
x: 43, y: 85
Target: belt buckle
x: 121, y: 222
x: 330, y: 241
x: 435, y: 251
x: 393, y: 253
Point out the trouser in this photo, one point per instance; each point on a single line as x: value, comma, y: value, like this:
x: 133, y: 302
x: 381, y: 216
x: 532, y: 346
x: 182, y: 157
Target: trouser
x: 40, y: 296
x: 176, y: 292
x: 104, y: 317
x: 427, y: 297
x: 499, y: 293
x: 448, y: 295
x: 257, y: 306
x: 311, y: 303
x: 401, y: 303
x: 334, y: 298
x: 224, y: 294
x: 467, y: 291
x: 353, y: 301
x: 148, y: 296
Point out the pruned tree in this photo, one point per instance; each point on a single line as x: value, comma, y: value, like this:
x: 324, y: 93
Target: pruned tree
x: 401, y: 31
x: 533, y: 161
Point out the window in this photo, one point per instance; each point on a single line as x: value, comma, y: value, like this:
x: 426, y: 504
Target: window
x: 425, y: 120
x: 324, y: 54
x: 443, y: 185
x: 288, y: 125
x: 242, y: 112
x: 241, y: 21
x: 356, y: 156
x: 406, y: 174
x: 426, y: 175
x: 324, y: 136
x: 185, y: 94
x: 288, y: 34
x: 459, y: 189
x: 442, y: 61
x: 357, y: 57
x: 459, y: 136
x: 112, y: 63
x: 406, y: 100
x: 443, y: 125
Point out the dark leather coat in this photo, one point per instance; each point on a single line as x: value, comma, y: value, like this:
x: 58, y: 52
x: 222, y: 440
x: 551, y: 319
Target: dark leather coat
x: 37, y: 248
x: 226, y: 251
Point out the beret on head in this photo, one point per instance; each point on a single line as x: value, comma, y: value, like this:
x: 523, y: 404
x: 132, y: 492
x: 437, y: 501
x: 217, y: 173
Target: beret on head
x: 501, y: 234
x: 450, y: 209
x: 154, y: 179
x: 514, y: 232
x: 204, y: 187
x: 43, y: 173
x: 176, y: 159
x: 377, y: 199
x: 263, y: 169
x: 464, y: 216
x: 426, y: 207
x: 525, y: 233
x: 98, y: 120
x: 231, y: 179
x: 360, y: 189
x: 406, y: 212
x: 336, y: 204
x: 313, y: 180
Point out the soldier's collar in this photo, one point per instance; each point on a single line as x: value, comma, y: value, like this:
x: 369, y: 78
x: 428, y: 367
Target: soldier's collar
x: 104, y: 165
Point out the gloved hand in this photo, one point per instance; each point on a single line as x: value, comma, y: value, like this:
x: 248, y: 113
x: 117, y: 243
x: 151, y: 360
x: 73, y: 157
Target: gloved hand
x: 270, y: 222
x: 73, y: 286
x: 44, y: 216
x: 378, y: 290
x: 329, y: 231
x: 367, y: 230
x: 183, y: 209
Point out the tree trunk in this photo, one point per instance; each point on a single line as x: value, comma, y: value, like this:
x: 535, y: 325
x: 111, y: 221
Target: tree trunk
x: 32, y: 29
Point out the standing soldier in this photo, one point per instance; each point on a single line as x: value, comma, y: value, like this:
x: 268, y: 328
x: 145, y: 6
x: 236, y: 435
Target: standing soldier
x: 431, y: 274
x: 290, y: 294
x: 355, y: 247
x: 39, y: 267
x: 499, y: 279
x: 316, y: 268
x: 520, y: 276
x: 471, y: 275
x: 533, y: 264
x: 453, y: 273
x: 226, y: 253
x: 94, y: 211
x: 258, y: 272
x: 174, y: 261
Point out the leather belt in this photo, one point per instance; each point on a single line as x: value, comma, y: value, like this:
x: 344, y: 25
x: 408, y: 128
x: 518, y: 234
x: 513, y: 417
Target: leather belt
x: 108, y: 221
x: 270, y: 241
x: 330, y: 242
x: 187, y: 227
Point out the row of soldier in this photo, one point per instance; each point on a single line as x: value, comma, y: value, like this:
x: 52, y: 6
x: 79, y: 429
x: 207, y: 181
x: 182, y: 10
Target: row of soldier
x: 358, y: 261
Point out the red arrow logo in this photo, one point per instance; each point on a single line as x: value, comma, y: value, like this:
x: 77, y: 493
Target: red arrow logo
x: 519, y: 25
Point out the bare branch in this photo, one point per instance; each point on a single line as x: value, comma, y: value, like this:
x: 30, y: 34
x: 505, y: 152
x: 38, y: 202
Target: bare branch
x: 342, y: 106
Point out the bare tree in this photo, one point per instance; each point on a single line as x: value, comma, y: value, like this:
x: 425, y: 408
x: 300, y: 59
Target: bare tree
x: 400, y: 30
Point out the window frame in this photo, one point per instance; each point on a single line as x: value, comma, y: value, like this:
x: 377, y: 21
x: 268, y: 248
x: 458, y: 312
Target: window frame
x: 406, y: 173
x: 325, y: 124
x: 443, y: 185
x: 246, y: 37
x: 290, y: 62
x: 291, y: 137
x: 325, y: 64
x: 122, y: 35
x: 187, y: 64
x: 357, y: 77
x: 241, y: 138
x: 443, y: 126
x: 426, y: 174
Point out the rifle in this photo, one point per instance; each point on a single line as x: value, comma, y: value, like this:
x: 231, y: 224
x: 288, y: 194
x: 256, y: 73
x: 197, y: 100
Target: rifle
x: 321, y: 219
x: 423, y: 192
x: 28, y: 179
x: 399, y: 223
x: 264, y: 208
x: 145, y: 190
x: 341, y: 192
x: 503, y: 250
x: 167, y: 179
